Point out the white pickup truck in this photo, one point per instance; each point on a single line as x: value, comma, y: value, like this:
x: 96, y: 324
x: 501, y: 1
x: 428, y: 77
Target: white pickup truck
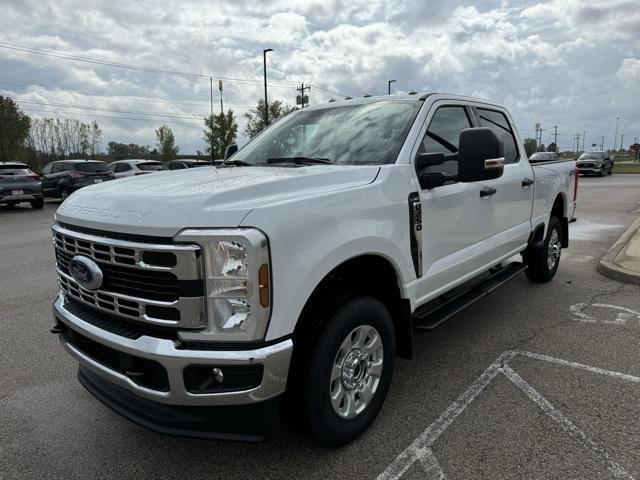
x: 196, y: 302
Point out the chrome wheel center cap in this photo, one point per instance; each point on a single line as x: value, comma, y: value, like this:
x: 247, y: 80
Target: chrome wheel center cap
x: 354, y: 369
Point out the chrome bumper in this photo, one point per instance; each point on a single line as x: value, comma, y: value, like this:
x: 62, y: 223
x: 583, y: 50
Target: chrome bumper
x: 275, y: 360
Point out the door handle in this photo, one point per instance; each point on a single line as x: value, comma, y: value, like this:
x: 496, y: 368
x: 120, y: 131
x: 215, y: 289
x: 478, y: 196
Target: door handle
x: 527, y: 182
x: 487, y: 191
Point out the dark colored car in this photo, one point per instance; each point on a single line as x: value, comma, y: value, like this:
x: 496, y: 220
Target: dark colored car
x: 63, y: 177
x: 182, y: 164
x: 19, y: 184
x: 596, y: 163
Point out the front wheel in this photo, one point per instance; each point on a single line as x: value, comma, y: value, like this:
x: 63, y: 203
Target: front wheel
x: 542, y: 263
x: 64, y: 194
x: 350, y: 371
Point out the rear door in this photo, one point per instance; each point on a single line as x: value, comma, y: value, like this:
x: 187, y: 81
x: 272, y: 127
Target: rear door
x: 454, y: 218
x: 513, y: 200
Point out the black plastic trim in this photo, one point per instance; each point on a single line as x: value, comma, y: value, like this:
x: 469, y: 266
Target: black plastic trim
x: 247, y: 423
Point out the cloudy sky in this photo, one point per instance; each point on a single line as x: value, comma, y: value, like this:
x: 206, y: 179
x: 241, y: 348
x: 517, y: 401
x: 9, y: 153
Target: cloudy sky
x: 570, y: 63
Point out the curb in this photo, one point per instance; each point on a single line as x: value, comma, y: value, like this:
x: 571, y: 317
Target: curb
x: 607, y: 265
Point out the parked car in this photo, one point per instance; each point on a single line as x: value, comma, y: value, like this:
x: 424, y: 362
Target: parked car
x: 544, y: 157
x: 595, y: 163
x: 128, y: 168
x: 302, y: 267
x: 63, y: 177
x: 19, y: 184
x: 182, y: 164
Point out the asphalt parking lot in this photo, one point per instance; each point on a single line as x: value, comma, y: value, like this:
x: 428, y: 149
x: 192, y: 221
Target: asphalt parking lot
x: 535, y: 381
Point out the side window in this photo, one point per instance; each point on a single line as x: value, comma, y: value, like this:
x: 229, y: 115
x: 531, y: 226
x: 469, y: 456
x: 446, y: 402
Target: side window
x: 122, y: 167
x: 442, y: 136
x: 47, y: 169
x: 498, y: 122
x: 59, y: 167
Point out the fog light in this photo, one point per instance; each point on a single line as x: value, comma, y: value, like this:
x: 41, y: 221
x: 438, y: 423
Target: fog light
x: 218, y: 375
x: 202, y: 379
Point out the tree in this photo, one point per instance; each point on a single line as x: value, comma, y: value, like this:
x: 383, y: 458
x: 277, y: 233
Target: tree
x: 552, y: 147
x: 120, y: 151
x: 166, y: 143
x: 14, y: 129
x: 541, y: 148
x: 255, y: 117
x: 222, y: 131
x: 530, y: 146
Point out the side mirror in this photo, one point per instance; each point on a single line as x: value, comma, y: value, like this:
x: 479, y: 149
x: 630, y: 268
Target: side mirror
x: 230, y: 150
x: 480, y: 155
x: 429, y: 180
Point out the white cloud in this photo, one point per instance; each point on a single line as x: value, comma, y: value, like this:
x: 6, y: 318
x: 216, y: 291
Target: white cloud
x: 560, y: 62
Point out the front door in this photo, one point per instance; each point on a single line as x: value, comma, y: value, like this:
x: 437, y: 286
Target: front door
x: 455, y: 220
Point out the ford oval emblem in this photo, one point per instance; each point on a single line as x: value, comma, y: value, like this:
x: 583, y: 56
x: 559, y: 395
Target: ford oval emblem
x: 86, y: 272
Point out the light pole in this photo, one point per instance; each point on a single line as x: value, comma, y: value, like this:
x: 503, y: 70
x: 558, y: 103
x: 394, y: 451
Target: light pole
x: 266, y: 103
x: 615, y: 138
x: 211, y: 114
x: 220, y: 88
x: 389, y: 86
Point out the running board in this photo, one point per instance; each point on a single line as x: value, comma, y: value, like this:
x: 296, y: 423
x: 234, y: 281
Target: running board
x: 433, y: 313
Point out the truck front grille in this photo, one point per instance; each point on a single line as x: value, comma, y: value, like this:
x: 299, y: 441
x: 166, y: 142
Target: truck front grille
x: 160, y: 284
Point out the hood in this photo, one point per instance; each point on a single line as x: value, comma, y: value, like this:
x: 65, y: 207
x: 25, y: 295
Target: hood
x: 162, y: 204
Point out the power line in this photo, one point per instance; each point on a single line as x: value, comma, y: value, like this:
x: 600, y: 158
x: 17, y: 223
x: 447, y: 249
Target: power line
x: 135, y: 112
x: 49, y: 53
x: 148, y: 120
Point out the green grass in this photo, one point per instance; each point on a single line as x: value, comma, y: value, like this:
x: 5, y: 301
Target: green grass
x: 626, y: 168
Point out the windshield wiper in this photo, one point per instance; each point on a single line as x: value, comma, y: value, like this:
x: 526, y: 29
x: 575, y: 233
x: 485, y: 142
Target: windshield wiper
x: 238, y: 163
x: 301, y: 160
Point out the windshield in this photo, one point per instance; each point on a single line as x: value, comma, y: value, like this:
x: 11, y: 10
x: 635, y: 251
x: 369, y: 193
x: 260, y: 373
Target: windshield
x: 370, y: 133
x: 90, y: 167
x: 151, y: 166
x: 595, y: 155
x: 14, y: 170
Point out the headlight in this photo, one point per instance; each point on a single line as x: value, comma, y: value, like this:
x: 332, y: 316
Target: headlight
x: 237, y: 275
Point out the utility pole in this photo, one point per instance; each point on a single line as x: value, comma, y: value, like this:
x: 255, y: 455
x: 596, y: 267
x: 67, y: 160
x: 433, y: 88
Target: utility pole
x: 555, y: 137
x: 300, y: 99
x: 266, y: 102
x: 211, y: 114
x: 389, y: 86
x: 615, y: 138
x: 220, y: 88
x: 621, y: 140
x: 602, y: 143
x: 584, y: 135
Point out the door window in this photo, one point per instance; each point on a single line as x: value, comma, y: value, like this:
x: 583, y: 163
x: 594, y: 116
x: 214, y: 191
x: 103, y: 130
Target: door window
x: 443, y: 135
x: 122, y: 167
x: 47, y: 169
x: 497, y: 121
x: 59, y: 167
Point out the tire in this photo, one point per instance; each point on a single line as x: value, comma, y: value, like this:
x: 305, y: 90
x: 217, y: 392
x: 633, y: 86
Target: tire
x: 37, y: 204
x: 542, y: 263
x: 351, y: 361
x: 64, y: 194
x: 602, y: 172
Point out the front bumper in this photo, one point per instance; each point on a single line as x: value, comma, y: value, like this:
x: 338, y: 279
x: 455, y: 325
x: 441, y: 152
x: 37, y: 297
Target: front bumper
x: 594, y: 170
x: 274, y: 359
x: 29, y: 197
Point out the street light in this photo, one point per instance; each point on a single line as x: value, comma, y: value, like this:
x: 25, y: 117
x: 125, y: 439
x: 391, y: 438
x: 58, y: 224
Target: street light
x: 266, y: 103
x: 615, y: 138
x: 389, y: 86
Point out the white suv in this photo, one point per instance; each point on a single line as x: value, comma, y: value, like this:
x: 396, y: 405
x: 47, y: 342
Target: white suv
x: 129, y: 168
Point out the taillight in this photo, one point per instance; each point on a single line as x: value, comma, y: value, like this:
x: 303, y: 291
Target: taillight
x: 75, y: 174
x: 141, y: 173
x: 575, y: 184
x: 34, y: 176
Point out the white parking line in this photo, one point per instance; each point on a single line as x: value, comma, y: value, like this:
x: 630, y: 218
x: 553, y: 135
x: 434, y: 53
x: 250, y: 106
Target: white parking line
x: 421, y: 450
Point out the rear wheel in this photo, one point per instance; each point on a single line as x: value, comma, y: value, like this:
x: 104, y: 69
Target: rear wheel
x: 64, y: 194
x: 602, y: 172
x: 542, y: 263
x: 38, y: 203
x: 350, y: 371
